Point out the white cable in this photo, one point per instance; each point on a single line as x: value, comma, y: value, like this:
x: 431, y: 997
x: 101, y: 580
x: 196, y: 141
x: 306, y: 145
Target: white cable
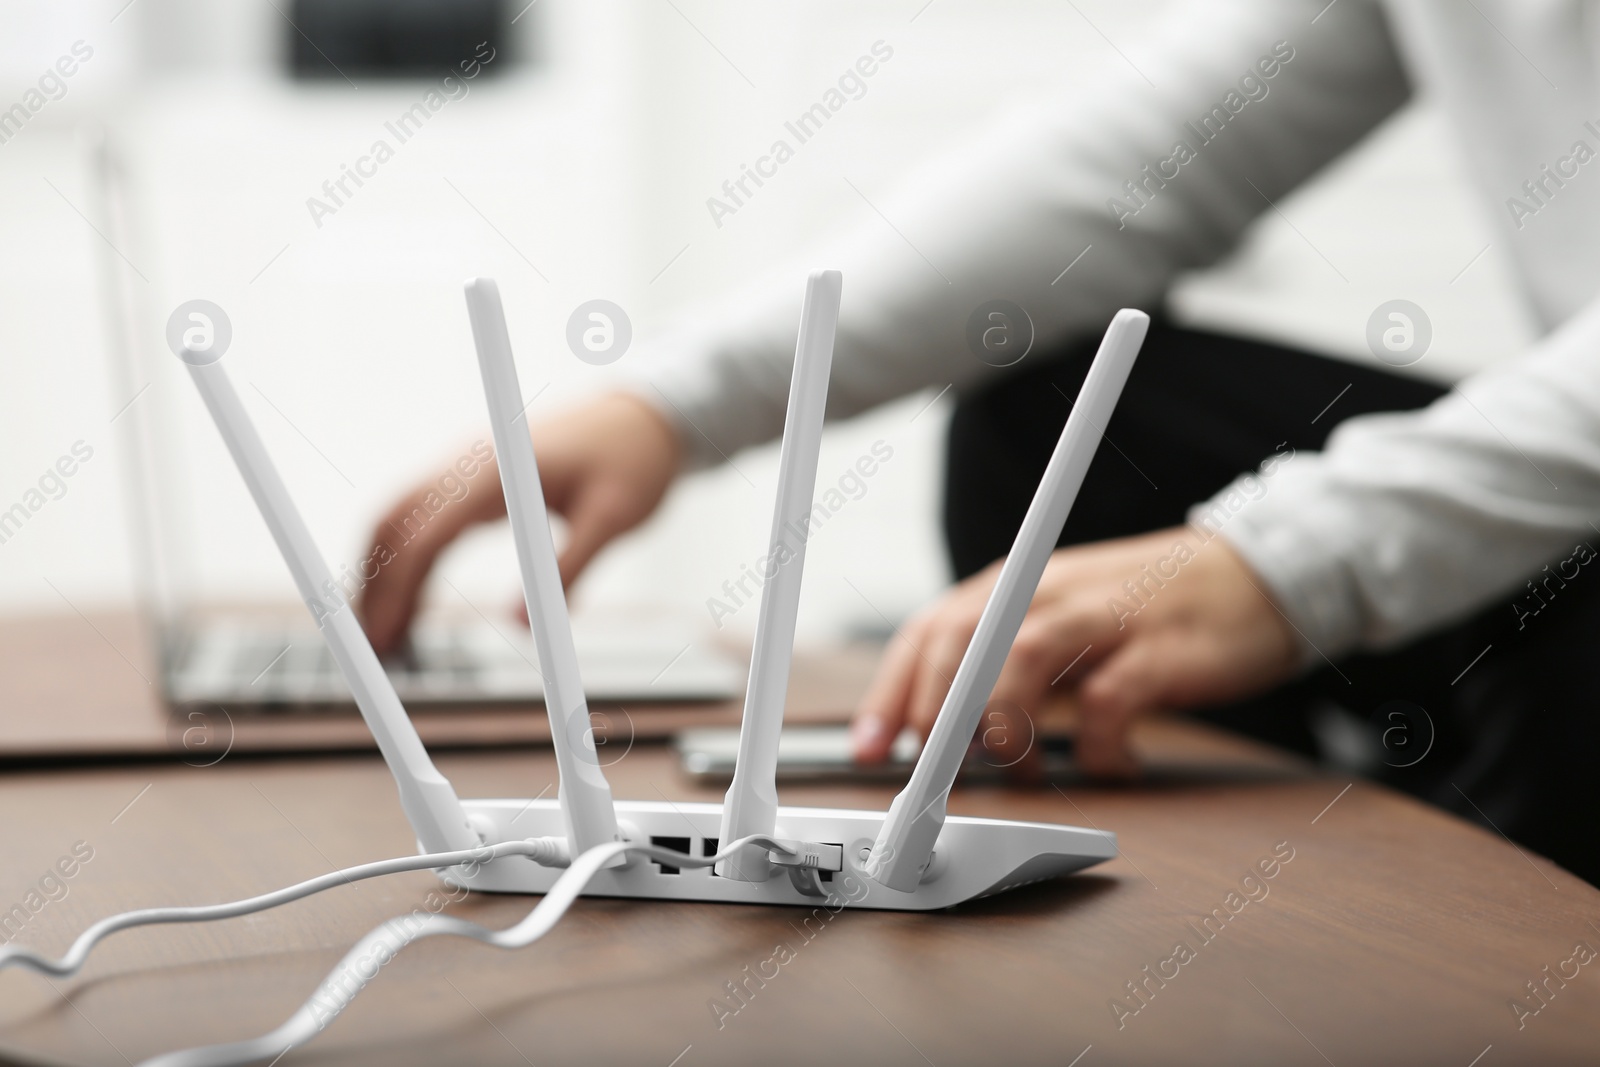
x: 540, y: 849
x: 360, y: 965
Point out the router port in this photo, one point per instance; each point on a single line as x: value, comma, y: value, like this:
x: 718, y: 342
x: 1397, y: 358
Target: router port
x: 677, y: 844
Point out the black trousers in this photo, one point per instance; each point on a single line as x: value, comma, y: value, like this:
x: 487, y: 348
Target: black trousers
x: 1493, y: 718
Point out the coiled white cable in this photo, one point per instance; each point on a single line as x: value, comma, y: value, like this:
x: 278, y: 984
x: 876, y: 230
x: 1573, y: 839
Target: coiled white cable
x: 362, y: 962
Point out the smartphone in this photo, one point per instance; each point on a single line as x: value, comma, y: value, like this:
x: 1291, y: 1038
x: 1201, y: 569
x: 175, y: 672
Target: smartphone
x: 821, y: 754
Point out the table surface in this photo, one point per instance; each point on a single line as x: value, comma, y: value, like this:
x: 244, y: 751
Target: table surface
x: 1395, y: 934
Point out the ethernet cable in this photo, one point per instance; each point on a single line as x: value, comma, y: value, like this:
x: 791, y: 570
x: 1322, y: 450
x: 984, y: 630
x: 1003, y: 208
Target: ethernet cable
x: 358, y: 967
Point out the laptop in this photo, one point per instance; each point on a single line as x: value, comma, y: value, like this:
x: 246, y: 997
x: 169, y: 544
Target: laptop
x: 262, y: 660
x: 246, y: 660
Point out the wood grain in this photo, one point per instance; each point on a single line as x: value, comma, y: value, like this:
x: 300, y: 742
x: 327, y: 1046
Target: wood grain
x: 1396, y: 934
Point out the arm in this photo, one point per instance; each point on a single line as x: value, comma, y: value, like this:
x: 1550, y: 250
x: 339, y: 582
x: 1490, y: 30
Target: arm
x: 1409, y: 521
x: 1002, y: 215
x: 1405, y: 522
x: 999, y: 216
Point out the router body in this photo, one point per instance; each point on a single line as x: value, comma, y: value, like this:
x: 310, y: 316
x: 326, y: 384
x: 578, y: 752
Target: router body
x: 974, y: 857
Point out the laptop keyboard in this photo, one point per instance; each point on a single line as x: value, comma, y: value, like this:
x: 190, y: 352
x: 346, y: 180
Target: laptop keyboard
x: 247, y: 662
x: 267, y: 661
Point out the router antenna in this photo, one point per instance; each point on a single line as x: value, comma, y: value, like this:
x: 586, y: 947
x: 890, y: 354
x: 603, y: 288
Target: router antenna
x: 426, y: 796
x: 585, y: 796
x: 906, y: 840
x: 751, y: 806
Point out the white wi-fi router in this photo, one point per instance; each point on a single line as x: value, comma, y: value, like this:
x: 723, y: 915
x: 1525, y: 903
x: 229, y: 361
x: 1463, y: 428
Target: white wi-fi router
x: 914, y: 857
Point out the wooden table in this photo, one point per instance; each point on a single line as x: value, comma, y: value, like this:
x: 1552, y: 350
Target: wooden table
x: 1395, y: 934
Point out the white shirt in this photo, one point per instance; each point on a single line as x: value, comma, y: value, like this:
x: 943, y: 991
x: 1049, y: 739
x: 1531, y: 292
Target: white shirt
x: 1405, y: 521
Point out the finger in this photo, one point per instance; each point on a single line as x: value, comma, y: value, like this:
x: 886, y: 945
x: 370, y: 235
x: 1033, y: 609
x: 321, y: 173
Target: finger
x: 1132, y: 682
x: 940, y: 638
x: 405, y: 546
x: 1007, y: 733
x: 593, y: 519
x: 938, y: 658
x: 389, y: 599
x: 1007, y: 728
x: 882, y: 712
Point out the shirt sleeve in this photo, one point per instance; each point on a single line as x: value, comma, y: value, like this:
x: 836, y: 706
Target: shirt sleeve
x: 1409, y: 521
x: 1155, y: 170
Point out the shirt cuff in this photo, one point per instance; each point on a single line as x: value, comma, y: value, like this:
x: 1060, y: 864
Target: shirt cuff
x: 1299, y: 545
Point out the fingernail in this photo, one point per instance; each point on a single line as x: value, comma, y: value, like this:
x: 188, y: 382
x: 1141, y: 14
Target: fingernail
x: 867, y: 735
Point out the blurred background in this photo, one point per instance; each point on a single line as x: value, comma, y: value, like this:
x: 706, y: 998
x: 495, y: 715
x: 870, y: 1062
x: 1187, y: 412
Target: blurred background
x: 574, y: 165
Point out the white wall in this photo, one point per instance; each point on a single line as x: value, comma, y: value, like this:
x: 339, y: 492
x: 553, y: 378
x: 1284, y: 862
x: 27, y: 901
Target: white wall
x: 352, y: 349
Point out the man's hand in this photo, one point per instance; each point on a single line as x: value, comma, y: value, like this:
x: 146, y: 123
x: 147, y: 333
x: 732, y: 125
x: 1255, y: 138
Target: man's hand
x: 1194, y: 627
x: 604, y: 466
